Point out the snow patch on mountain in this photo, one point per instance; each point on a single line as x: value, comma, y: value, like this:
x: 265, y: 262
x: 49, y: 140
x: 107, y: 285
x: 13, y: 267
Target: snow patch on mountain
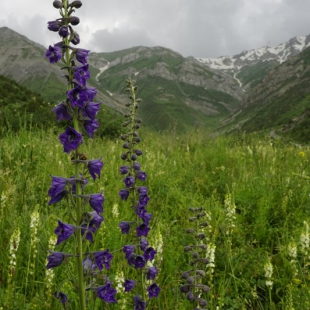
x: 279, y: 53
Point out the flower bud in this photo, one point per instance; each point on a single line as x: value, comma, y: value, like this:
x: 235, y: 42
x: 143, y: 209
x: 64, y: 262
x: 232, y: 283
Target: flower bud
x: 137, y: 126
x: 124, y: 156
x: 76, y: 4
x: 138, y: 152
x: 200, y: 236
x: 133, y: 157
x: 138, y: 120
x: 193, y: 219
x: 202, y: 302
x: 126, y: 145
x: 201, y: 273
x: 57, y: 4
x: 186, y: 274
x: 137, y: 140
x: 124, y: 137
x: 190, y: 296
x: 190, y: 280
x: 73, y: 20
x: 204, y: 288
x: 75, y: 39
x: 204, y: 224
x: 185, y: 288
x: 195, y: 255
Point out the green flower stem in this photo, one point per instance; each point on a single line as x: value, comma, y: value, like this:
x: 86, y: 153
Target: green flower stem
x: 78, y: 205
x: 132, y: 119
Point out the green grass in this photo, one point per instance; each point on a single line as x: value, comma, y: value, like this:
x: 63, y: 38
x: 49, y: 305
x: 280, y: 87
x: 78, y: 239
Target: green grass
x: 267, y: 180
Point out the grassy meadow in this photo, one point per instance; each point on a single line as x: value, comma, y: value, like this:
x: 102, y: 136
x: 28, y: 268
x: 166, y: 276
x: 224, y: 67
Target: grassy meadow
x: 254, y: 190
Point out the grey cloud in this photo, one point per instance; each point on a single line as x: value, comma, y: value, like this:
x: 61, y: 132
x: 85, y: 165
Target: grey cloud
x: 105, y: 40
x: 201, y: 28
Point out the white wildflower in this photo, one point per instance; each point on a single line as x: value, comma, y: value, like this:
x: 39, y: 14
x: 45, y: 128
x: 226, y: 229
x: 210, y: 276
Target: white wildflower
x: 268, y: 268
x: 230, y: 209
x: 304, y: 240
x: 34, y: 222
x: 115, y: 211
x: 14, y: 243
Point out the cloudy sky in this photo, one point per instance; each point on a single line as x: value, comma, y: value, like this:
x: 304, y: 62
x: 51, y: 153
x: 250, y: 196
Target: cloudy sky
x: 200, y: 28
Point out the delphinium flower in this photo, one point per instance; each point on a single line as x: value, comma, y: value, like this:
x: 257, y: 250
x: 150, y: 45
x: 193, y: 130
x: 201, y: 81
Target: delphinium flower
x: 193, y: 286
x: 138, y: 253
x: 84, y: 210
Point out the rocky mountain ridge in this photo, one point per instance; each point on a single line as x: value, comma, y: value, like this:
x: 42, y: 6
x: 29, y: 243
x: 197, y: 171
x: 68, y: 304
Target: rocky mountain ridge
x: 280, y: 54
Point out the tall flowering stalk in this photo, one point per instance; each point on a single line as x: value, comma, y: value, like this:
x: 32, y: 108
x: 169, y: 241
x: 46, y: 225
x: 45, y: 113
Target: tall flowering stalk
x: 139, y: 254
x: 85, y: 210
x: 193, y: 278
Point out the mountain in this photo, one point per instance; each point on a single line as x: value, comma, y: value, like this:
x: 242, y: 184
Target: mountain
x: 178, y: 92
x: 250, y: 67
x: 281, y: 101
x: 22, y: 60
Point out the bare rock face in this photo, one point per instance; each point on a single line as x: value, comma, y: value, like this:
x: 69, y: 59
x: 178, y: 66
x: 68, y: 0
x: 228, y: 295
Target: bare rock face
x: 277, y: 82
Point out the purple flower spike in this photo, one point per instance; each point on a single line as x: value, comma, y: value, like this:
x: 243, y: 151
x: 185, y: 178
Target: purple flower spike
x: 90, y: 127
x: 94, y: 167
x: 125, y: 227
x: 62, y: 112
x: 96, y: 219
x: 129, y: 285
x: 106, y: 293
x: 139, y: 304
x: 128, y: 250
x: 63, y: 31
x: 149, y: 253
x: 103, y: 258
x: 58, y: 189
x: 96, y: 202
x: 124, y: 169
x: 152, y: 273
x: 124, y: 194
x: 139, y: 261
x: 63, y: 231
x: 53, y: 54
x: 153, y: 290
x: 91, y: 109
x: 70, y: 139
x: 143, y: 230
x: 129, y: 181
x: 142, y: 190
x: 76, y: 38
x: 55, y: 259
x: 141, y: 176
x: 54, y: 25
x: 136, y: 166
x: 143, y: 200
x: 82, y: 55
x: 146, y: 217
x: 143, y: 244
x: 62, y: 297
x: 89, y: 232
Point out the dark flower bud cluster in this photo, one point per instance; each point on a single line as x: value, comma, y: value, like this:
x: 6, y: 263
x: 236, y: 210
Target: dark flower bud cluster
x: 140, y: 255
x: 193, y: 286
x: 79, y: 111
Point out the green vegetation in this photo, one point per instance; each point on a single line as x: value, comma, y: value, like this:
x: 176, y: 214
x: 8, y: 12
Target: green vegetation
x: 255, y: 74
x: 255, y: 193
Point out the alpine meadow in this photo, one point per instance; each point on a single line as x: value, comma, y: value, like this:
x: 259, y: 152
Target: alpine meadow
x: 142, y: 179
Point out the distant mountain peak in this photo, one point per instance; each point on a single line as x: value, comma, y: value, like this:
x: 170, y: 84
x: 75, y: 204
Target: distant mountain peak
x: 280, y: 53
